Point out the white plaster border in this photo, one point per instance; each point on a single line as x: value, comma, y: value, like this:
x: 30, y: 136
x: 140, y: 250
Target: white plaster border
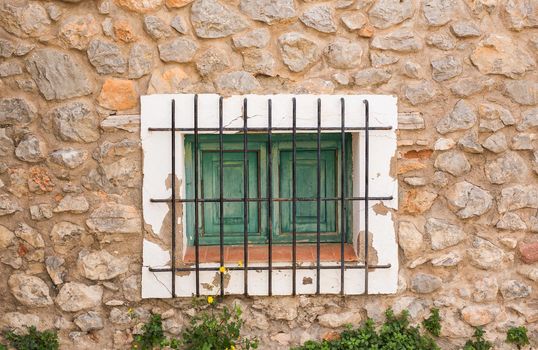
x: 155, y: 112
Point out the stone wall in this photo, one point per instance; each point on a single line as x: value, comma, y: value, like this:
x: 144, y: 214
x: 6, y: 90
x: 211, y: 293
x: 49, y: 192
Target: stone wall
x: 71, y: 74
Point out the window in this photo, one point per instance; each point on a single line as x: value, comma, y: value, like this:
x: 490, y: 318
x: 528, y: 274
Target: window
x: 282, y: 186
x: 187, y: 241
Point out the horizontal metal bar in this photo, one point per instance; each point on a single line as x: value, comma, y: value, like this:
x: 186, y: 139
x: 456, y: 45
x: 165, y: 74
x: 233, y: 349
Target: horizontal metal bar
x: 234, y: 200
x: 265, y: 268
x: 262, y: 129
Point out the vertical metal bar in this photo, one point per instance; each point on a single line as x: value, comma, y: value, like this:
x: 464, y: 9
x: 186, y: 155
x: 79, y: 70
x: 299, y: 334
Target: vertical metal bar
x: 318, y: 236
x: 270, y: 193
x: 221, y: 194
x: 366, y: 183
x: 173, y: 185
x: 343, y: 193
x: 196, y: 199
x: 245, y: 195
x: 294, y: 197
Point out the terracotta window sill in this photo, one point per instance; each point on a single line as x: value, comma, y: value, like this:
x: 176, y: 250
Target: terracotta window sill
x: 281, y: 253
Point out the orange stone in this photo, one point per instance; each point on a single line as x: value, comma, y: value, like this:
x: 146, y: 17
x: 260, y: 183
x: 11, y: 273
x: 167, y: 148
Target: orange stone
x: 177, y: 3
x: 411, y: 165
x: 118, y: 94
x: 140, y: 6
x: 367, y: 31
x: 420, y: 154
x: 417, y: 201
x: 529, y: 252
x: 123, y: 31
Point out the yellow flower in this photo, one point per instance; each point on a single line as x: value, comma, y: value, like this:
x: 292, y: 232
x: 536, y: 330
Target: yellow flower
x: 210, y: 300
x: 240, y: 263
x: 232, y: 347
x: 222, y: 269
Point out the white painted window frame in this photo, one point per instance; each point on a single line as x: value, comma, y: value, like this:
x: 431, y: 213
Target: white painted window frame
x: 156, y: 113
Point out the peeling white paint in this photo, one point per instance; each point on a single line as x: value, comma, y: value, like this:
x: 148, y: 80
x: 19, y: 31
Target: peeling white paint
x: 155, y: 112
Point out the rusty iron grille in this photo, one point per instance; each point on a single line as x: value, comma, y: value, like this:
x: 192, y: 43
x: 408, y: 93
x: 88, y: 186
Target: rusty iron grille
x: 244, y: 131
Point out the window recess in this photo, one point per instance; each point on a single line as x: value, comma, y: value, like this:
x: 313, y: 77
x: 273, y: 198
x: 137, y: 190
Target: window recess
x: 300, y: 165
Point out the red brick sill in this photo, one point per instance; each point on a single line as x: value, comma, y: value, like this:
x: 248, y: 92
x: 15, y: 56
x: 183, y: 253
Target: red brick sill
x: 281, y: 253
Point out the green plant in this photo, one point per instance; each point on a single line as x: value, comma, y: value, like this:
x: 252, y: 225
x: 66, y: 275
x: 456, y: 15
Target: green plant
x: 3, y: 347
x: 433, y: 323
x: 152, y: 334
x: 517, y: 336
x: 479, y: 343
x: 216, y: 329
x: 395, y: 334
x: 33, y: 340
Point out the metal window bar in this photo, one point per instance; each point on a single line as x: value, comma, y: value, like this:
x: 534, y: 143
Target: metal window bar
x: 343, y: 198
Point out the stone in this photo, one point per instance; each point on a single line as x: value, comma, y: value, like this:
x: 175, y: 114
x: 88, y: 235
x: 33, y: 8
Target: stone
x: 314, y: 85
x: 336, y: 320
x: 341, y: 79
x: 478, y: 315
x: 438, y: 12
x: 462, y: 117
x: 443, y: 234
x: 23, y: 48
x: 177, y: 3
x: 256, y: 38
x: 298, y: 51
x: 484, y: 254
x: 7, y: 237
x: 521, y: 14
x: 156, y: 27
x: 179, y: 24
x: 140, y: 6
x: 24, y: 19
x: 494, y: 117
x: 380, y: 59
x: 410, y: 121
x: 424, y: 283
x: 69, y: 157
x: 465, y: 29
x: 320, y: 18
x: 140, y: 60
x: 211, y: 19
x: 55, y: 270
x: 469, y: 143
x: 118, y: 94
x: 179, y: 50
x: 29, y: 290
x: 239, y: 82
x: 441, y: 40
x: 497, y: 54
x: 168, y: 80
x: 16, y: 111
x: 468, y: 200
x: 371, y: 77
x: 29, y: 235
x: 106, y: 57
x: 524, y: 92
x: 401, y: 40
x: 529, y: 120
x: 74, y: 296
x: 8, y: 69
x: 57, y: 75
x: 89, y: 321
x: 122, y: 30
x: 496, y: 143
x: 77, y: 31
x: 343, y: 54
x: 115, y: 218
x: 286, y: 309
x: 444, y: 144
x: 101, y: 265
x: 517, y: 197
x: 72, y: 204
x: 529, y: 272
x: 354, y: 20
x: 506, y: 168
x: 31, y: 149
x: 446, y: 68
x: 514, y: 289
x: 19, y: 321
x: 131, y: 288
x: 416, y: 181
x: 74, y: 122
x: 523, y: 142
x: 511, y: 221
x: 528, y: 252
x: 259, y: 61
x: 447, y: 260
x: 41, y: 212
x: 485, y: 289
x: 469, y: 86
x: 212, y: 61
x: 420, y: 93
x: 6, y: 48
x: 417, y: 201
x: 410, y: 239
x: 387, y: 13
x: 453, y: 162
x: 269, y: 11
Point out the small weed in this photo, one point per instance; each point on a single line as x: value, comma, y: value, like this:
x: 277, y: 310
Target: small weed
x: 478, y: 343
x: 32, y: 340
x: 517, y: 336
x: 433, y: 323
